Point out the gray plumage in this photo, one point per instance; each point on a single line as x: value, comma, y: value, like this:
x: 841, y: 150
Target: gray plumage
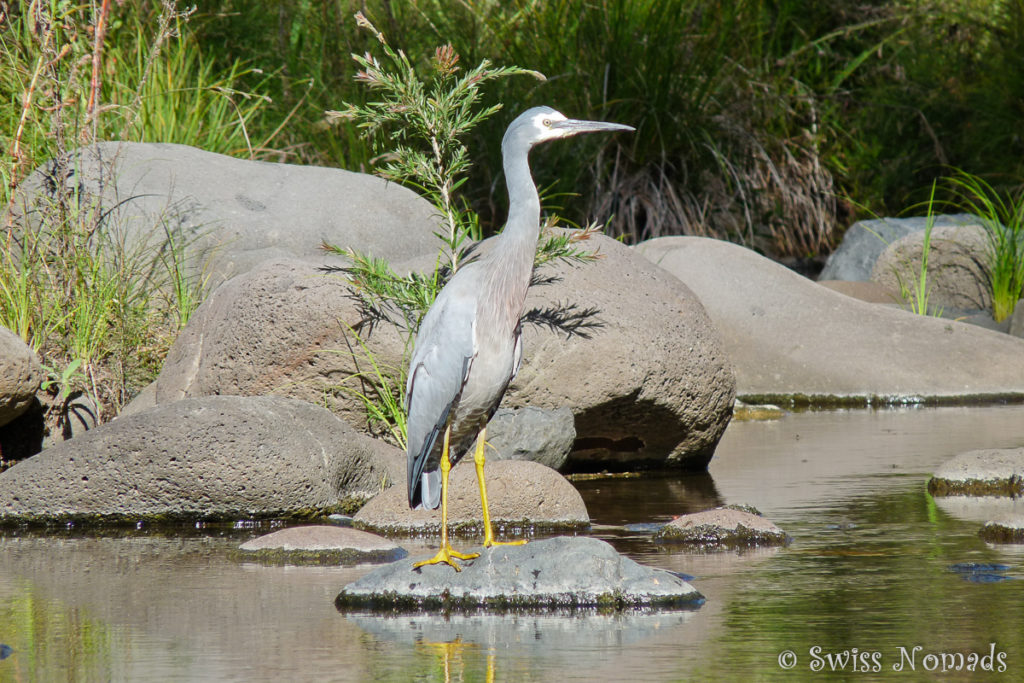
x: 469, y: 345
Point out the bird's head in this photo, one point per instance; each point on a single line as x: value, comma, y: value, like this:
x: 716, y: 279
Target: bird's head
x: 541, y: 124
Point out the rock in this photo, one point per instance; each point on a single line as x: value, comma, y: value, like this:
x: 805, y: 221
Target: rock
x: 535, y: 434
x: 20, y: 376
x: 523, y: 497
x: 724, y: 527
x: 230, y: 213
x: 956, y: 273
x: 871, y: 292
x: 987, y: 472
x: 321, y: 544
x: 794, y: 341
x: 1017, y: 320
x: 555, y: 573
x: 745, y: 412
x: 217, y: 457
x: 1004, y: 530
x: 864, y: 241
x: 651, y: 387
x: 283, y: 328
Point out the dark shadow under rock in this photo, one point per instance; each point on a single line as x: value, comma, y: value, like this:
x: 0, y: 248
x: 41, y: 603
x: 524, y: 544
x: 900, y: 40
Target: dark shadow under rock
x: 563, y: 573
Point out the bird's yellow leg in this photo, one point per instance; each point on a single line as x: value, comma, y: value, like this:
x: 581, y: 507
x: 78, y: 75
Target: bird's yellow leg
x: 446, y: 554
x: 478, y: 459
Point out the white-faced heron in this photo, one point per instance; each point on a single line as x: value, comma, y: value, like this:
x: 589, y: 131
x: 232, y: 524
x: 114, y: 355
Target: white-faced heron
x: 469, y: 345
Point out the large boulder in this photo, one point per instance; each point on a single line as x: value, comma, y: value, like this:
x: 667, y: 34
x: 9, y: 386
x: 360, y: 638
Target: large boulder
x: 212, y: 457
x: 790, y: 337
x: 649, y: 384
x: 229, y: 214
x: 283, y: 328
x: 955, y: 279
x: 20, y: 376
x: 864, y: 241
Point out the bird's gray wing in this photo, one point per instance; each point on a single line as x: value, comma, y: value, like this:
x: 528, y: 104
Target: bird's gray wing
x: 440, y: 364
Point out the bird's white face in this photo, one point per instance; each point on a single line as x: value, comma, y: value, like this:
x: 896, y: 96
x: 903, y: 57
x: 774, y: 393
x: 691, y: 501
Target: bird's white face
x: 543, y: 125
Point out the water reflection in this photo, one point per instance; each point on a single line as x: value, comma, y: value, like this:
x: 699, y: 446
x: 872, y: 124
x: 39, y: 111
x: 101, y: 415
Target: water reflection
x: 540, y: 644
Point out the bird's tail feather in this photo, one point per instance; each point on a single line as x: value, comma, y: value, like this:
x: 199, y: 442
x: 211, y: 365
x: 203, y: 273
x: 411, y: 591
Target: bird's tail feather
x: 430, y: 490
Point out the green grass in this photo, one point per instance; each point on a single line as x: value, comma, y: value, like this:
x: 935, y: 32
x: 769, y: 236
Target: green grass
x: 1002, y: 215
x: 100, y: 316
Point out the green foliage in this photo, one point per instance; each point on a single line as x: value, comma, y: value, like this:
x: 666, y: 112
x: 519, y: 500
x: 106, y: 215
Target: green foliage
x: 421, y: 123
x: 100, y: 316
x: 917, y: 292
x: 1002, y: 216
x: 381, y: 389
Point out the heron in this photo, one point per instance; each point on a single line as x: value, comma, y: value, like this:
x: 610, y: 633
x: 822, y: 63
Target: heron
x: 469, y: 345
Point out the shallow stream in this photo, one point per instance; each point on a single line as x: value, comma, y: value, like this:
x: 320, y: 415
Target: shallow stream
x: 876, y: 569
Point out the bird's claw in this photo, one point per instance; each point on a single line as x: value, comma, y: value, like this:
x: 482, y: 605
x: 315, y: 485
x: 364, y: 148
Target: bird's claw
x: 447, y: 555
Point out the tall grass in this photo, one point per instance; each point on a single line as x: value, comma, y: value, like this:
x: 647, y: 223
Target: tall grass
x: 73, y: 74
x: 1002, y: 215
x: 766, y: 123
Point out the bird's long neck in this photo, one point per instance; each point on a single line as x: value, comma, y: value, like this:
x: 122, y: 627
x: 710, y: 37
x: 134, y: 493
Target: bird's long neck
x: 519, y: 238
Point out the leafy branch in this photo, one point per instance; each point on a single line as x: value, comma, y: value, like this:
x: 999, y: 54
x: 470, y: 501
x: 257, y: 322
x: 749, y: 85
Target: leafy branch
x: 419, y: 124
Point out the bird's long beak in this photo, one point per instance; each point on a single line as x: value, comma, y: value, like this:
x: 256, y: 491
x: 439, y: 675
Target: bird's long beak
x: 576, y: 126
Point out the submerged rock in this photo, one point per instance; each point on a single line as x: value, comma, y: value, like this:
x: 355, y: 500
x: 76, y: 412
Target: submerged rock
x: 321, y: 544
x: 986, y: 472
x: 523, y: 497
x: 555, y: 573
x: 724, y: 527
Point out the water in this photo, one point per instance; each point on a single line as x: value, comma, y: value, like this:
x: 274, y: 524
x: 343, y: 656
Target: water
x: 877, y: 568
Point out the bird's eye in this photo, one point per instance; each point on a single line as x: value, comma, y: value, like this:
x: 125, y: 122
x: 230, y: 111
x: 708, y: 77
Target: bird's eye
x: 547, y: 123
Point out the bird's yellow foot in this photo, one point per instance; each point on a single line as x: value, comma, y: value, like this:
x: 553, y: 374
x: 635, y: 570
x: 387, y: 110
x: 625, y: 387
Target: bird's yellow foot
x: 447, y: 555
x: 490, y: 542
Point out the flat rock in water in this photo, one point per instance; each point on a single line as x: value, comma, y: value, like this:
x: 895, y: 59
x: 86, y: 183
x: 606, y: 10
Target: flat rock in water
x: 792, y: 339
x: 985, y: 472
x: 216, y: 457
x: 322, y: 544
x: 555, y: 573
x: 1007, y: 529
x: 723, y: 527
x: 523, y: 496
